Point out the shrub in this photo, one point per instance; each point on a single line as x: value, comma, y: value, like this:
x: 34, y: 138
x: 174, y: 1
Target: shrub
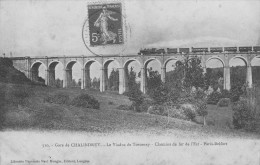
x: 202, y: 110
x: 176, y: 113
x: 20, y: 93
x: 173, y: 95
x: 157, y: 110
x: 224, y: 102
x: 189, y: 114
x: 12, y: 96
x: 145, y: 105
x: 172, y: 111
x: 110, y: 103
x: 2, y: 109
x: 18, y: 118
x: 199, y: 94
x: 46, y: 117
x: 235, y: 94
x: 17, y: 95
x: 225, y: 94
x: 59, y: 98
x: 244, y: 117
x: 136, y: 96
x: 214, y: 97
x: 159, y: 94
x: 123, y: 107
x: 86, y: 101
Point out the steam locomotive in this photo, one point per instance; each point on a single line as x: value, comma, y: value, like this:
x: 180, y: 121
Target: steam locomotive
x: 199, y: 50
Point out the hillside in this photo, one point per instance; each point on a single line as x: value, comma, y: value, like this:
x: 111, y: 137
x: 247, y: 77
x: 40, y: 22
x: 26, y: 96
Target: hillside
x: 9, y: 74
x: 37, y: 114
x: 24, y: 106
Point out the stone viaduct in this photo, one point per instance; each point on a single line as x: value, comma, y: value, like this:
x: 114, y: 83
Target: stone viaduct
x: 30, y: 66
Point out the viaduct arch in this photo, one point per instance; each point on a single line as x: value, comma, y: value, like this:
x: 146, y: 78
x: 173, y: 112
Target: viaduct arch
x: 30, y: 66
x: 125, y: 72
x: 34, y: 71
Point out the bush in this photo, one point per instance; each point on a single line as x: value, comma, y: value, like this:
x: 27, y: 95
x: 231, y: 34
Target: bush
x: 224, y: 102
x: 177, y: 113
x: 2, y: 109
x: 47, y: 117
x: 17, y: 95
x: 225, y: 94
x: 159, y: 94
x: 86, y: 101
x: 189, y: 113
x: 157, y: 110
x: 235, y: 94
x: 214, y: 97
x: 189, y: 110
x: 145, y: 105
x: 110, y: 103
x: 244, y: 116
x: 173, y: 96
x: 123, y: 107
x: 201, y: 108
x: 19, y: 117
x: 59, y: 98
x: 199, y: 94
x: 136, y: 96
x: 12, y: 96
x: 183, y: 113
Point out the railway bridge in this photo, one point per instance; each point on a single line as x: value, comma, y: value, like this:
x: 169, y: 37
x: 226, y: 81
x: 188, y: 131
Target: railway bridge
x: 30, y: 66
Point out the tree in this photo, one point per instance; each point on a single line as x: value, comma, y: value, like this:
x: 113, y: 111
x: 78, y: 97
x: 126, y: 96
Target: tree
x: 131, y: 79
x: 73, y: 83
x: 96, y: 83
x: 193, y: 73
x: 174, y: 79
x: 136, y: 96
x: 153, y: 80
x: 202, y: 109
x: 58, y: 83
x: 256, y: 75
x: 214, y: 78
x: 113, y: 80
x: 238, y: 82
x: 160, y: 94
x: 79, y: 82
x: 188, y: 73
x: 244, y: 115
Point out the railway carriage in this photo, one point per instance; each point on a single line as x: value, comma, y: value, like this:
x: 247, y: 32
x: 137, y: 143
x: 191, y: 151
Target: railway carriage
x: 199, y: 50
x: 216, y: 49
x: 230, y: 49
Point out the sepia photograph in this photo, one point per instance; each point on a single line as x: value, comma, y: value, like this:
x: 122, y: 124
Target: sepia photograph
x: 129, y: 82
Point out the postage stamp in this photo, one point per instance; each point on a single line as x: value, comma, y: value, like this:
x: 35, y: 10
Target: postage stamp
x: 105, y: 24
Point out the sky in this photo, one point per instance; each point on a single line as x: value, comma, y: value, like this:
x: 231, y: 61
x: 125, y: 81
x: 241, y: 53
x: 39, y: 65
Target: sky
x: 49, y: 28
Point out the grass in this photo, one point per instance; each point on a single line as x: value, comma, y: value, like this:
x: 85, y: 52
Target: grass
x: 38, y: 114
x: 220, y: 117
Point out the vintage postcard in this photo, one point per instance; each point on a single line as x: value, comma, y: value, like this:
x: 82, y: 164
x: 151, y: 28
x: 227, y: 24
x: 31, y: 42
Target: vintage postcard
x: 110, y: 82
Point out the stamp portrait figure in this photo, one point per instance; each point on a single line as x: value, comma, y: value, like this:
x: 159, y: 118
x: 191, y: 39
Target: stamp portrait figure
x: 102, y: 23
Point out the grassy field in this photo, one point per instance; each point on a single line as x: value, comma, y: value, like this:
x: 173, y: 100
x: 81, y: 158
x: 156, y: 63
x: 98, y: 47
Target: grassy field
x: 38, y: 114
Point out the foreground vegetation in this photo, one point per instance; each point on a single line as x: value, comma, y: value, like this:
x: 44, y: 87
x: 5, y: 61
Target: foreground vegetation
x: 32, y: 111
x: 188, y: 94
